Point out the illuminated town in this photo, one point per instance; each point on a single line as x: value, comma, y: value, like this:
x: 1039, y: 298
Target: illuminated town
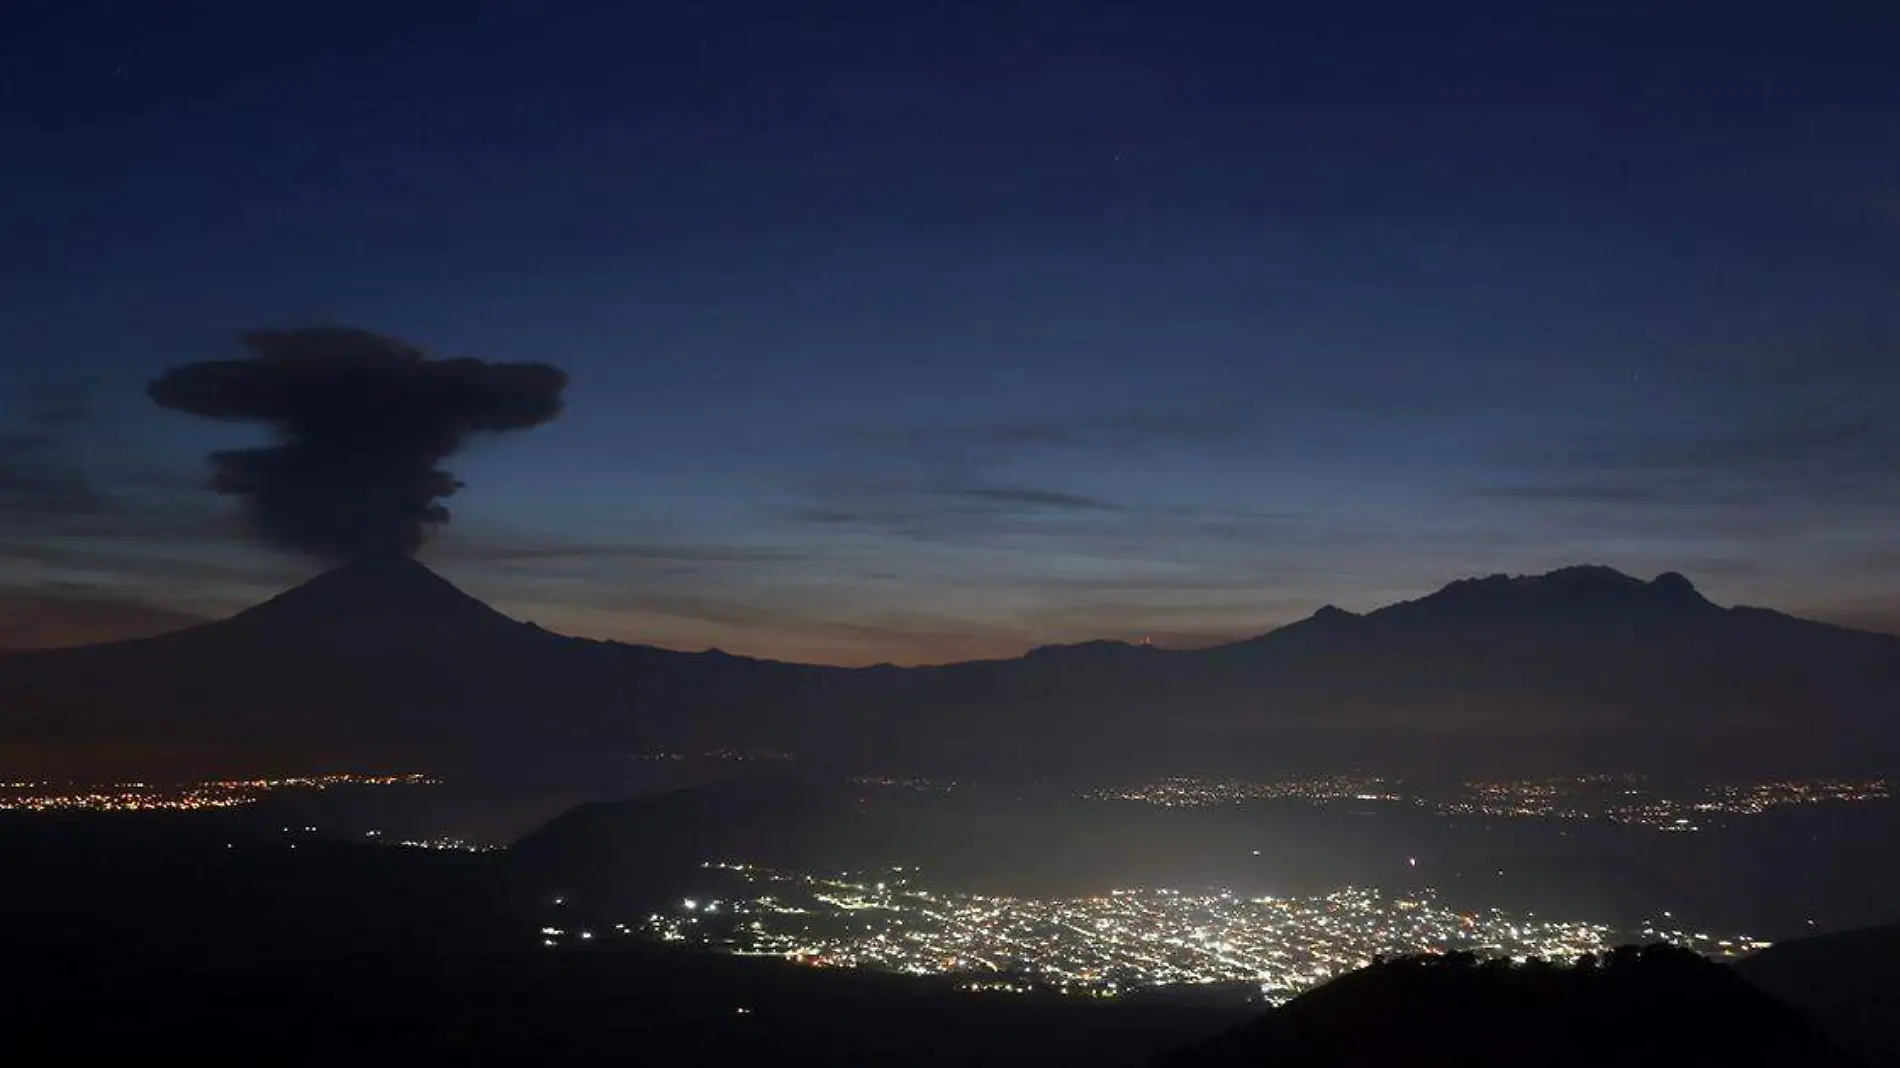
x: 1622, y: 798
x: 1111, y: 944
x: 1190, y: 792
x: 1716, y: 802
x: 904, y: 782
x: 726, y: 755
x: 189, y: 797
x: 453, y: 845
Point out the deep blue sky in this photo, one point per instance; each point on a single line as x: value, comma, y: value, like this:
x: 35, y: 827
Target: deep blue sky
x: 914, y: 331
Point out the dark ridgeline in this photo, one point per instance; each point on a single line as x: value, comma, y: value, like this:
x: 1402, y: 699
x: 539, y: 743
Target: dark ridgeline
x: 1848, y: 983
x: 206, y: 939
x: 1655, y: 1007
x: 381, y: 662
x: 377, y: 663
x: 613, y: 859
x: 404, y: 593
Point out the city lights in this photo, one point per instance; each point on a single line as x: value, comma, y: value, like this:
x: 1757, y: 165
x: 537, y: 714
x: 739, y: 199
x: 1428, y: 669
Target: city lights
x: 457, y: 845
x: 189, y: 797
x: 1183, y: 791
x: 1123, y: 941
x: 1626, y: 799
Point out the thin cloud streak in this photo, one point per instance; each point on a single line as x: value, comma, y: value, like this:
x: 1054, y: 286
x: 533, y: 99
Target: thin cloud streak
x: 49, y: 617
x: 1032, y: 497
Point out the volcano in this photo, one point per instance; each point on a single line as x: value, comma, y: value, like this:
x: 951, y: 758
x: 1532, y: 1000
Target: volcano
x: 377, y: 663
x: 389, y: 592
x: 383, y: 662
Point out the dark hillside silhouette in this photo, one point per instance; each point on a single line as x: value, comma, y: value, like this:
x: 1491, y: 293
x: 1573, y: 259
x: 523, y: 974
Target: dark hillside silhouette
x: 612, y: 858
x: 200, y: 939
x: 1657, y: 1006
x: 1847, y: 982
x: 411, y: 601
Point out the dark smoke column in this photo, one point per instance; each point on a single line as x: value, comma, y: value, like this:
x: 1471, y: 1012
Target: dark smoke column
x: 362, y: 422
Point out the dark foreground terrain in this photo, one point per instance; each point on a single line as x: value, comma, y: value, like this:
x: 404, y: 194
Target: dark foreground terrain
x: 1653, y: 1006
x: 1848, y: 983
x: 571, y: 1008
x: 200, y: 939
x: 207, y: 939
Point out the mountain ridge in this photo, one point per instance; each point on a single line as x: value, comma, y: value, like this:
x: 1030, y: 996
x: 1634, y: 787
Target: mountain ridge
x: 403, y: 588
x: 386, y: 580
x: 383, y: 656
x: 1657, y: 1005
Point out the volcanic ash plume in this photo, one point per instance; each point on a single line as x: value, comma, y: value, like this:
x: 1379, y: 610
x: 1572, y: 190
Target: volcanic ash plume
x: 362, y: 422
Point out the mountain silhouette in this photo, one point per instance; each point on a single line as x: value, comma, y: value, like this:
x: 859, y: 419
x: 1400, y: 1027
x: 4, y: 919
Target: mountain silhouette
x: 378, y: 662
x: 1572, y: 594
x: 1583, y: 659
x: 1658, y: 1006
x: 1848, y: 983
x: 382, y: 661
x: 615, y: 855
x: 1568, y: 598
x: 379, y: 590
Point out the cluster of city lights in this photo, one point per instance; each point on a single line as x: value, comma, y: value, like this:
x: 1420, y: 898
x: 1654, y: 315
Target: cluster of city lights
x: 912, y: 783
x: 1572, y: 797
x: 1110, y: 944
x: 1750, y: 800
x: 188, y: 797
x: 1628, y: 799
x: 444, y: 843
x: 457, y: 845
x: 1184, y: 791
x: 1619, y: 798
x: 733, y: 756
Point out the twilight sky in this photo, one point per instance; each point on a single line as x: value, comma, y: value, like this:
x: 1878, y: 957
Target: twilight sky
x: 918, y: 331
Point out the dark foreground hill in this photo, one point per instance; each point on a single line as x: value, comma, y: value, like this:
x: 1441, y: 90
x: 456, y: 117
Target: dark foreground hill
x: 383, y: 663
x: 202, y: 939
x: 559, y: 1008
x: 1848, y: 983
x: 1657, y: 1007
x: 627, y: 855
x: 197, y: 940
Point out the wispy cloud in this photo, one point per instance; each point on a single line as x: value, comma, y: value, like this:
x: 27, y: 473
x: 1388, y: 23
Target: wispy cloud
x: 42, y: 478
x: 1584, y: 491
x: 1161, y: 424
x: 1882, y: 617
x: 49, y: 616
x: 63, y: 474
x: 1032, y: 497
x: 1769, y: 428
x: 455, y: 549
x: 98, y: 542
